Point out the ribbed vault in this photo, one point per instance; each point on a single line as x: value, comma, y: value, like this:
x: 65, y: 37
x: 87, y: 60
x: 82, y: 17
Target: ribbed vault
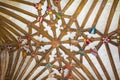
x: 61, y: 39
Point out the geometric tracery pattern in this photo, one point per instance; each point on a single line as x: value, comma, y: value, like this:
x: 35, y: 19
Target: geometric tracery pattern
x: 55, y: 44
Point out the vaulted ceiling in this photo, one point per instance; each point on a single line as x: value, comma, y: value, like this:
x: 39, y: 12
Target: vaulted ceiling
x: 79, y: 37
